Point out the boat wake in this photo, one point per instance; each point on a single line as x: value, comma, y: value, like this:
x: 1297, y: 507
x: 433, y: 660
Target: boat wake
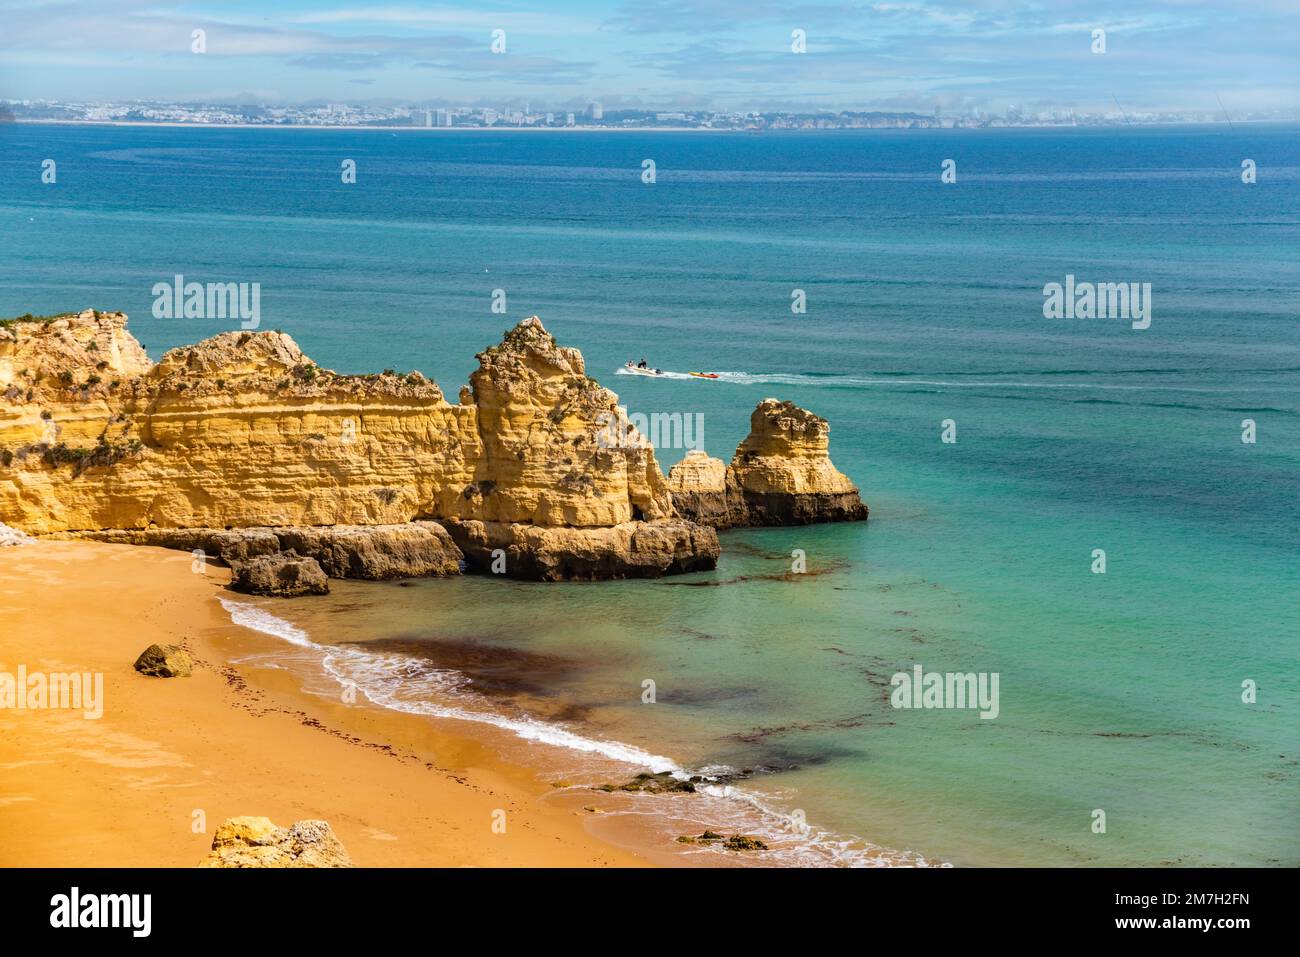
x: 1045, y: 387
x: 989, y: 381
x: 661, y: 374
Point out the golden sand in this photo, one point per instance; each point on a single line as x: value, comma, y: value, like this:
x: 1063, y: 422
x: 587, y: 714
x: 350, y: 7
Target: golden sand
x: 171, y: 758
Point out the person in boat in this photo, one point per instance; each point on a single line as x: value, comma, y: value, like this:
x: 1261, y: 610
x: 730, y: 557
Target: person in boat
x: 642, y: 364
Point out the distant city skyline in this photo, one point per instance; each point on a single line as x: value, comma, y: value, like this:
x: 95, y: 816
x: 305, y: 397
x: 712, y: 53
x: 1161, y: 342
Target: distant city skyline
x: 727, y: 55
x: 594, y: 116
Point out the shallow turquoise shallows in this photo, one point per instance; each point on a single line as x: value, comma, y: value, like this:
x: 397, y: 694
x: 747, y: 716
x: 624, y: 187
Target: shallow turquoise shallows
x: 1119, y: 692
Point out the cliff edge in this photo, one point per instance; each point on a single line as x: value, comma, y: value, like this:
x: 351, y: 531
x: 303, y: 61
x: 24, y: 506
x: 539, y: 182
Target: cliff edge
x: 243, y: 431
x: 241, y: 446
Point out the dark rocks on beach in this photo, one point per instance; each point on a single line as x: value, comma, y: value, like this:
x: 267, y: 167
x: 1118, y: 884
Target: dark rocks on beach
x: 165, y: 661
x: 661, y: 783
x: 281, y: 575
x: 737, y: 842
x: 708, y: 837
x: 409, y: 550
x: 376, y: 552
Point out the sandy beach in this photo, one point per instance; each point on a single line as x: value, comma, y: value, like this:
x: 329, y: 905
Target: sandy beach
x: 170, y: 759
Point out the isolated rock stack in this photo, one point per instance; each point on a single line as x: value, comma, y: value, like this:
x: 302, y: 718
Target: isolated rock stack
x: 780, y: 475
x: 556, y: 501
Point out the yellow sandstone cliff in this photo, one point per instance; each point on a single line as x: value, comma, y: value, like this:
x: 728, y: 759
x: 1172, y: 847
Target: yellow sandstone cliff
x: 241, y: 446
x: 244, y: 431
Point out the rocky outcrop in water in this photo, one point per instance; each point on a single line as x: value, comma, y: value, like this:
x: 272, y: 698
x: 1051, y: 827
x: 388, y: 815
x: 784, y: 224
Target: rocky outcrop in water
x: 627, y: 550
x: 279, y: 575
x: 781, y: 474
x: 737, y: 842
x: 241, y: 446
x: 258, y: 842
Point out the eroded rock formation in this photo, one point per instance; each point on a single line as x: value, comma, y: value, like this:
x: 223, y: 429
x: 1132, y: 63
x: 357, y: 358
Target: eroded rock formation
x: 241, y: 438
x: 258, y: 842
x: 781, y: 474
x: 376, y: 552
x: 280, y: 575
x: 240, y: 446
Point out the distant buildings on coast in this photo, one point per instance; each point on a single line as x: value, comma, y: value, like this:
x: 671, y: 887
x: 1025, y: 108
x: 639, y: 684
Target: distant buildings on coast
x: 593, y: 115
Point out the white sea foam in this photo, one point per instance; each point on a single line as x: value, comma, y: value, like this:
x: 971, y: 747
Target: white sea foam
x: 661, y: 375
x: 257, y: 619
x: 799, y: 844
x: 406, y: 684
x: 403, y: 683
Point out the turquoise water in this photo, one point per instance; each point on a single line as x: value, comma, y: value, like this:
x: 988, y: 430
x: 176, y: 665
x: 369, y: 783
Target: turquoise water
x: 1119, y: 692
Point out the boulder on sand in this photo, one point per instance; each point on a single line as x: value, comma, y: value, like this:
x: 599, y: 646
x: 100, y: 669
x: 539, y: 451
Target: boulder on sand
x: 165, y: 661
x: 259, y: 842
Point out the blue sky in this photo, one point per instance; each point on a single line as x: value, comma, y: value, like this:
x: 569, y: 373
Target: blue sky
x: 724, y: 54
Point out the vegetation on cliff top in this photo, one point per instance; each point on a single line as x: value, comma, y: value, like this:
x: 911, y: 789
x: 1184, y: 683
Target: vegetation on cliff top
x: 43, y: 320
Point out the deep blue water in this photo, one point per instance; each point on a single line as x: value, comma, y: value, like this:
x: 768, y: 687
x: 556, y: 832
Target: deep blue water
x: 1119, y: 691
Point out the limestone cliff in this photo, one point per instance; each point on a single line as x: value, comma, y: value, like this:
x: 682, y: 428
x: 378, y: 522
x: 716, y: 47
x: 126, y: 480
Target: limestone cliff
x: 243, y: 431
x: 781, y: 474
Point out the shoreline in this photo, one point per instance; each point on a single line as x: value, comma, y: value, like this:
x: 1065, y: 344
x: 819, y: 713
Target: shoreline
x: 631, y: 129
x: 170, y: 759
x: 262, y: 729
x: 571, y: 758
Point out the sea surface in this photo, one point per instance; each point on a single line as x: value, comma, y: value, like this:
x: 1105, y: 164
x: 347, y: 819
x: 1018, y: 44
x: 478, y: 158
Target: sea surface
x: 1119, y: 692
